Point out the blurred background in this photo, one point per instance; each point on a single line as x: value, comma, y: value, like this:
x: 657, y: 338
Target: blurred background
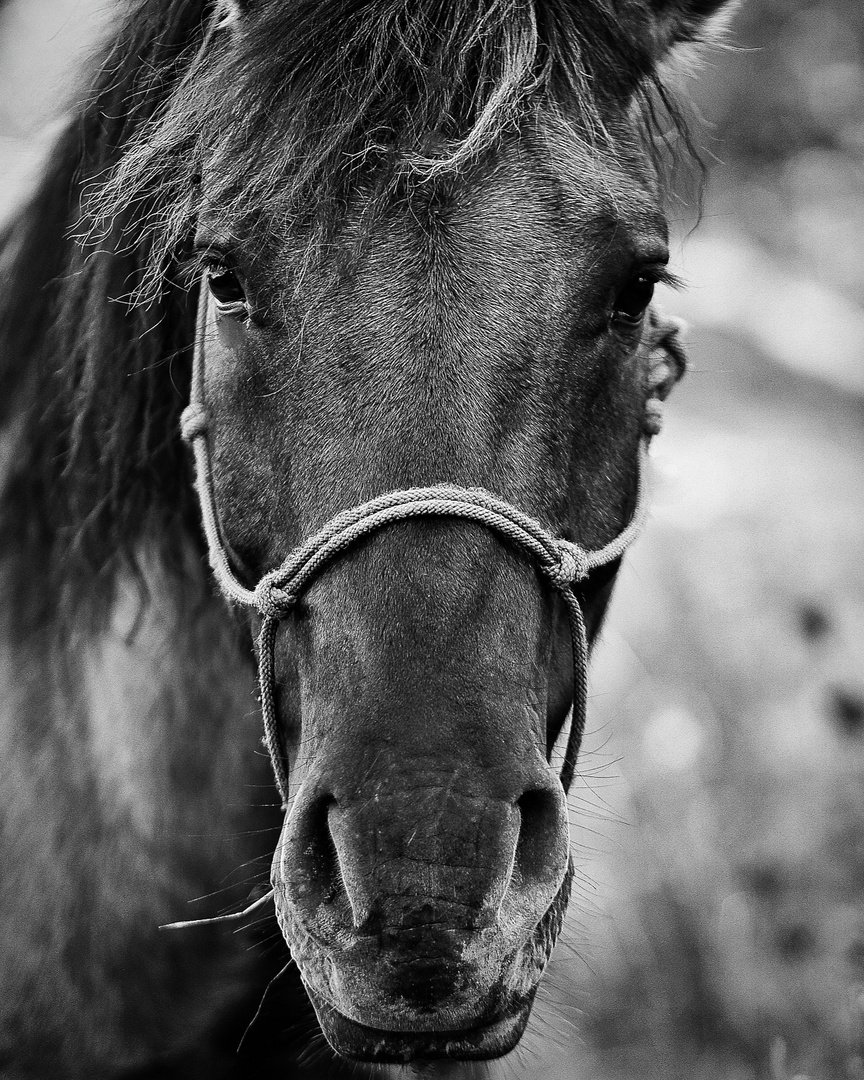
x: 717, y: 929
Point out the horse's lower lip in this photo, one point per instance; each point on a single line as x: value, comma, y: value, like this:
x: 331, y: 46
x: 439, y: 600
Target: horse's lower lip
x: 361, y: 1043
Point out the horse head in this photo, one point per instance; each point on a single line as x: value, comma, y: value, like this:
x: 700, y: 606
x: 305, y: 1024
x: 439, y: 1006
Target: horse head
x: 449, y: 286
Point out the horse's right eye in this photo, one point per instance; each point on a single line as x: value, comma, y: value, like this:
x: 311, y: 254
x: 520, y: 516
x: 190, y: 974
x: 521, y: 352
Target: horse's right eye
x: 225, y: 286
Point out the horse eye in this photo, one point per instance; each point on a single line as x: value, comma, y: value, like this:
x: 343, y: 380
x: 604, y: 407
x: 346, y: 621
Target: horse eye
x: 636, y: 295
x: 225, y: 286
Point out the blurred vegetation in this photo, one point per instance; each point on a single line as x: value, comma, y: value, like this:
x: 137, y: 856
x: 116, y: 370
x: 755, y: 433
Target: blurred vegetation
x: 786, y: 110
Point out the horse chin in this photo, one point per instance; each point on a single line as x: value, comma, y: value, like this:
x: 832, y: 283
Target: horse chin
x: 365, y: 1018
x: 358, y: 1042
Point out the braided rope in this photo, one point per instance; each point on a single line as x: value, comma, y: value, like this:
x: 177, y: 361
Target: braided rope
x: 564, y: 564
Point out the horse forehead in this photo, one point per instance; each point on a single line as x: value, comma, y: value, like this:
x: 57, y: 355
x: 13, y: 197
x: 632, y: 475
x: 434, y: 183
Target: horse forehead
x: 519, y: 225
x: 501, y: 251
x: 443, y: 304
x: 450, y: 341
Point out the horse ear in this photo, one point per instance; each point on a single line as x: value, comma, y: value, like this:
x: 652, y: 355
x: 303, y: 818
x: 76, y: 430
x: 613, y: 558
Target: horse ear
x: 679, y: 22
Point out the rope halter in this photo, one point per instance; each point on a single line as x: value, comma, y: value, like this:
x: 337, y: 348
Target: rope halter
x: 564, y: 564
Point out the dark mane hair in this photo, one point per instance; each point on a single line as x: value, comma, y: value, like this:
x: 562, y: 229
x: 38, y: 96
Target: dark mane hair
x: 332, y: 94
x: 349, y: 95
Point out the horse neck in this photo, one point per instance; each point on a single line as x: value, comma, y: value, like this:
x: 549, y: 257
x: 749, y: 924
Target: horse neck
x: 169, y: 699
x: 142, y: 720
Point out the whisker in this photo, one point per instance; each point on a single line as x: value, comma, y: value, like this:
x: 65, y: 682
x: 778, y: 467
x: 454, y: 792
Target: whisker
x: 278, y: 975
x: 221, y: 918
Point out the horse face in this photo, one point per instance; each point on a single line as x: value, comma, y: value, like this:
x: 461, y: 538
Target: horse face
x: 482, y: 333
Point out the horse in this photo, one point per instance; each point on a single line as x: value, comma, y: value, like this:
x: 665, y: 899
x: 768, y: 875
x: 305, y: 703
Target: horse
x: 392, y: 263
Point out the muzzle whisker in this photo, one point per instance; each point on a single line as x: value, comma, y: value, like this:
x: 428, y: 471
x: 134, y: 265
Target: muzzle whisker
x: 231, y: 917
x: 249, y: 1026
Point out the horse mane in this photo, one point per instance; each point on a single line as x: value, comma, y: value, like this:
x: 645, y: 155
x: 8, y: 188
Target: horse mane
x: 89, y: 394
x: 335, y: 96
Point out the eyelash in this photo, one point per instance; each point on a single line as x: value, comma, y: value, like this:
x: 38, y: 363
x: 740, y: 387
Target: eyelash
x: 663, y: 276
x: 192, y: 267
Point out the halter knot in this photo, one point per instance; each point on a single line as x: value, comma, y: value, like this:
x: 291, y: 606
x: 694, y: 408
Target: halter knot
x: 572, y: 566
x: 194, y: 421
x: 271, y: 601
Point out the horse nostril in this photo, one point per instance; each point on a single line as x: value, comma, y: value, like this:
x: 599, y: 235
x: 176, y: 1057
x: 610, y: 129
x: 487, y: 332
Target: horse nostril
x: 314, y: 865
x: 538, y: 849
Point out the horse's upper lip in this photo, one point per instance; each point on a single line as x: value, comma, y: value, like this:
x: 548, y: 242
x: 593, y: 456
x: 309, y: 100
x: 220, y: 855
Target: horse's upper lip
x: 490, y: 1039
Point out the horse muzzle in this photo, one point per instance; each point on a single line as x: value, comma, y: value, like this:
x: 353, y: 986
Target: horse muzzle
x: 423, y: 934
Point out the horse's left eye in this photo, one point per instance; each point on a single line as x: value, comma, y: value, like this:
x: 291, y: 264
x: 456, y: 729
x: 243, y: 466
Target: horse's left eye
x: 634, y: 298
x: 225, y: 286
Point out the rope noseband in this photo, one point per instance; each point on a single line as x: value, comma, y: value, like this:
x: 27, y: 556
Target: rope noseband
x: 562, y: 563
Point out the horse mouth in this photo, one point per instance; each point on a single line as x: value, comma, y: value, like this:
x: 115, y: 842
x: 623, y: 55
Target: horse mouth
x: 358, y: 1042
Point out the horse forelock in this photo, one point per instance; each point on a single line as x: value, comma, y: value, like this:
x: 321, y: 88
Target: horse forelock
x: 304, y: 107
